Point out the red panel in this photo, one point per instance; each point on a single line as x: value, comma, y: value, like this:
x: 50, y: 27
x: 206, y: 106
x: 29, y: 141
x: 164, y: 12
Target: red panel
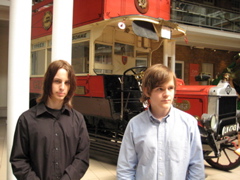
x: 180, y: 82
x: 156, y: 8
x: 36, y: 85
x: 87, y: 11
x: 194, y: 71
x: 37, y: 24
x: 193, y: 99
x: 193, y: 90
x: 84, y: 12
x: 93, y: 86
x: 195, y: 106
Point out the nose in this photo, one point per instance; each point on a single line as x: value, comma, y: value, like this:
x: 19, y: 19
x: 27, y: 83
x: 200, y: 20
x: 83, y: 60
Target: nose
x: 62, y: 85
x: 166, y: 92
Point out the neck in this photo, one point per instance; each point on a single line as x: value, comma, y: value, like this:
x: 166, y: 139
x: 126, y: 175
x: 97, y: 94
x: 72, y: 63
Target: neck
x: 159, y: 113
x: 53, y: 104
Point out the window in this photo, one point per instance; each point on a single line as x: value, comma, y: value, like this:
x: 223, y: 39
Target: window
x: 38, y: 62
x: 80, y: 57
x: 40, y: 57
x: 103, y: 59
x: 207, y: 68
x: 103, y: 54
x: 124, y: 49
x: 141, y: 58
x: 179, y: 69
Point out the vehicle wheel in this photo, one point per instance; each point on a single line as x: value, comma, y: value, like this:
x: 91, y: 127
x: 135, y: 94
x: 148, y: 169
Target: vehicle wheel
x: 228, y: 159
x: 136, y: 71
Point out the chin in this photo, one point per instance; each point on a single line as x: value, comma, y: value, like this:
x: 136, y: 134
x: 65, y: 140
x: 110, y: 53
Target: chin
x: 167, y: 106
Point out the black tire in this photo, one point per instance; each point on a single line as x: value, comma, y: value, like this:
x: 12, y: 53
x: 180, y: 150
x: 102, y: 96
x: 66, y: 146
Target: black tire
x: 227, y: 161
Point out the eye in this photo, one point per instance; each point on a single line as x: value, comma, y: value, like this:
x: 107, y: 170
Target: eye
x: 159, y: 89
x: 171, y: 87
x: 58, y: 81
x: 67, y: 82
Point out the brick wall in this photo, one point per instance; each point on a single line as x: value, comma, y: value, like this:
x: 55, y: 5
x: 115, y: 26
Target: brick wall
x: 219, y: 58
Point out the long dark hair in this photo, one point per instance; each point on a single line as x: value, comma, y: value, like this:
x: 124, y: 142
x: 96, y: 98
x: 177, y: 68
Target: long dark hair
x: 48, y: 79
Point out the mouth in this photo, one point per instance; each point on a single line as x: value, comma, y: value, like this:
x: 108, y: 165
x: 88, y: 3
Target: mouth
x: 166, y: 101
x: 61, y: 94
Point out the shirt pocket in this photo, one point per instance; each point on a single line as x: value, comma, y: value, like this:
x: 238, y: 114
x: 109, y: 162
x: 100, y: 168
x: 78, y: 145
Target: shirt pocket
x: 177, y: 150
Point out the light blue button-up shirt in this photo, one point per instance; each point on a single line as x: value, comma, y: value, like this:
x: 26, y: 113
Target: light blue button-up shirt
x: 166, y: 150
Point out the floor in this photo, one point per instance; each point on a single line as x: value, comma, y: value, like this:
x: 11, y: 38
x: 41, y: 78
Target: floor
x: 100, y: 170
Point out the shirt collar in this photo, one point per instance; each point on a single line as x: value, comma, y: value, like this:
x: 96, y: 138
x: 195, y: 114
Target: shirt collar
x: 155, y: 120
x: 41, y: 109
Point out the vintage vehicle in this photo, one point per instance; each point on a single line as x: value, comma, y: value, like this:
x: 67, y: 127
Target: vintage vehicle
x: 112, y: 44
x: 215, y: 108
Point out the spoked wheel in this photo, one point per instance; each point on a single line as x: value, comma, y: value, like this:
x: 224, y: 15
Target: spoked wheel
x: 228, y: 159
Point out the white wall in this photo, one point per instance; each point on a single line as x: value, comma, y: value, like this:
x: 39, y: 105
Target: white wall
x: 4, y: 28
x: 3, y: 67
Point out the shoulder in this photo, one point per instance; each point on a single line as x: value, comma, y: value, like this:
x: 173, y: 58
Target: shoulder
x: 76, y: 115
x: 140, y: 117
x: 184, y: 116
x: 182, y: 113
x: 29, y: 113
x: 139, y: 121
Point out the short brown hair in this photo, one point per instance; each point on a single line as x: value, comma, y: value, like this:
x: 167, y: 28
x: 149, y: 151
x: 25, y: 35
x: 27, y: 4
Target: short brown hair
x: 155, y: 76
x: 48, y: 79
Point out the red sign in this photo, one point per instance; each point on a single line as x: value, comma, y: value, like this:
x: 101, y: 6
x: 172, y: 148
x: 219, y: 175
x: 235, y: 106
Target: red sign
x: 193, y: 71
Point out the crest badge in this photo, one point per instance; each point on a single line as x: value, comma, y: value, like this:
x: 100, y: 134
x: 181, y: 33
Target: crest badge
x: 124, y: 60
x: 47, y: 20
x: 142, y: 5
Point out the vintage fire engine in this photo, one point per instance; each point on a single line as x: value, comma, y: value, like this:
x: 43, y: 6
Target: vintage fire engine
x: 215, y: 108
x: 112, y: 46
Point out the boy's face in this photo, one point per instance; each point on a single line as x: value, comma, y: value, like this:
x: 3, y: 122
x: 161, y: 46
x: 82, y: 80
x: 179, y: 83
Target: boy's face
x: 162, y: 97
x: 60, y: 86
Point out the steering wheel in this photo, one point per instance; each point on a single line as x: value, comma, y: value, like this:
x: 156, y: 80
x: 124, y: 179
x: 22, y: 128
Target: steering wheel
x: 136, y: 71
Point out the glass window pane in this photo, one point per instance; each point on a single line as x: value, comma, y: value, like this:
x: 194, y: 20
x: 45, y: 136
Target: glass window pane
x: 103, y: 54
x: 80, y: 57
x: 49, y: 53
x: 141, y: 58
x: 178, y: 70
x: 124, y: 49
x: 38, y: 62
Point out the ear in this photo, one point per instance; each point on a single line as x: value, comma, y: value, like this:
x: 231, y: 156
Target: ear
x: 145, y: 92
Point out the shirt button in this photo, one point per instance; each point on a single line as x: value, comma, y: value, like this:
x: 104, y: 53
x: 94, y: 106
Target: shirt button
x: 56, y: 149
x: 56, y: 134
x: 161, y: 174
x: 160, y: 158
x: 56, y: 163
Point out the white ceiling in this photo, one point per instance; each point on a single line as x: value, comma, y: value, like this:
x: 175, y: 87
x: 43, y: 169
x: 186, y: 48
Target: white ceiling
x: 200, y: 37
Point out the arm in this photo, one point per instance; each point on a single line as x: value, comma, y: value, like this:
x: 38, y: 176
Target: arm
x: 196, y: 164
x: 20, y: 158
x: 127, y: 159
x: 80, y: 163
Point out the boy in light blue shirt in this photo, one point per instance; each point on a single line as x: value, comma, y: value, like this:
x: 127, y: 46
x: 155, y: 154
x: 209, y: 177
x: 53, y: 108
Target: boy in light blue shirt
x: 162, y: 142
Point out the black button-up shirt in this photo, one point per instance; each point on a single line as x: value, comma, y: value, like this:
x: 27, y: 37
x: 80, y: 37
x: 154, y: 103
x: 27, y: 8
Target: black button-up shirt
x: 49, y: 146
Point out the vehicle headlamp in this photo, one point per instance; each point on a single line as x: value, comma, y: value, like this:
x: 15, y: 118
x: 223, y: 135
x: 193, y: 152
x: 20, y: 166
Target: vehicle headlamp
x: 210, y: 122
x: 214, y: 123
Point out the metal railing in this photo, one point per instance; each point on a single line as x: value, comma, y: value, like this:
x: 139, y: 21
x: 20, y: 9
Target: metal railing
x: 205, y: 16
